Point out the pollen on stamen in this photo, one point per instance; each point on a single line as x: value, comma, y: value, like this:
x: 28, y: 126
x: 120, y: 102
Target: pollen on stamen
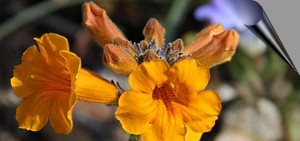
x: 168, y: 52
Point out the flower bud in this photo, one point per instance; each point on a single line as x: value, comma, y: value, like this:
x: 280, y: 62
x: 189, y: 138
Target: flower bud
x: 150, y: 55
x: 118, y: 60
x: 177, y: 45
x: 203, y: 38
x: 99, y: 24
x: 143, y: 46
x: 219, y: 50
x: 126, y: 45
x: 154, y: 31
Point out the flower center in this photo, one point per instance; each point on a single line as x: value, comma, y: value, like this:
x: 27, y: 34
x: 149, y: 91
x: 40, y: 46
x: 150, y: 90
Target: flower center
x: 165, y: 93
x: 171, y: 52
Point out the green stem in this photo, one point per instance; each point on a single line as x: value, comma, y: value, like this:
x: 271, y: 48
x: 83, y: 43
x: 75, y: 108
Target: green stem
x: 32, y: 13
x: 134, y: 137
x: 175, y: 17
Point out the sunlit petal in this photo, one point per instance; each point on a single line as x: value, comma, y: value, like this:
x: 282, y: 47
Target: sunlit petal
x: 61, y: 113
x: 165, y: 127
x: 135, y: 112
x: 147, y: 75
x: 192, y: 136
x: 188, y: 76
x: 31, y: 113
x: 201, y: 110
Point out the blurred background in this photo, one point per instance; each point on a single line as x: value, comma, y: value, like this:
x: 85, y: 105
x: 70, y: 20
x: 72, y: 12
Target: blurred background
x: 260, y: 93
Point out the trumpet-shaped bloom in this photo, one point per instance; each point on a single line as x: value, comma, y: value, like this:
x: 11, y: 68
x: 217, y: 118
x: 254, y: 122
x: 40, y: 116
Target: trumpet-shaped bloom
x: 169, y: 103
x: 50, y: 80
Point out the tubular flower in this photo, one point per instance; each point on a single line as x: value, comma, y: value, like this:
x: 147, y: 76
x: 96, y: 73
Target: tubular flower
x: 50, y: 81
x: 169, y: 103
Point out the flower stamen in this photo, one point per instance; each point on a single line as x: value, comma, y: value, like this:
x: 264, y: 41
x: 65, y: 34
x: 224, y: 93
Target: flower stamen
x: 171, y: 52
x: 165, y: 93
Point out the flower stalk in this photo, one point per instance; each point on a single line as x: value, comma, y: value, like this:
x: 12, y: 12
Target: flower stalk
x: 134, y: 137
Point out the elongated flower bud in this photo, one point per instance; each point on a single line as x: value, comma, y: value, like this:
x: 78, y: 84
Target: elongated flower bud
x: 118, y: 60
x: 154, y: 31
x: 219, y: 50
x: 177, y: 45
x: 203, y: 38
x: 150, y: 55
x: 99, y: 24
x: 126, y: 45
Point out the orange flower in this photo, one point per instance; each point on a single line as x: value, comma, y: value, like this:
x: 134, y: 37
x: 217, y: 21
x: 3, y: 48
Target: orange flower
x: 165, y: 103
x: 50, y: 81
x: 169, y: 103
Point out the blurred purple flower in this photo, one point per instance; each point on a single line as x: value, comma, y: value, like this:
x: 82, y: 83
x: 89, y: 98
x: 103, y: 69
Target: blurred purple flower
x: 220, y: 11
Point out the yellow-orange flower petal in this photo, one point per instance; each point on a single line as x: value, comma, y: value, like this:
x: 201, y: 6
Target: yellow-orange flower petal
x: 61, y: 112
x: 152, y: 71
x: 51, y: 44
x: 141, y: 105
x: 99, y: 24
x: 92, y: 88
x: 192, y: 136
x: 165, y: 127
x: 200, y: 110
x: 31, y: 113
x: 160, y: 107
x: 185, y: 75
x: 46, y: 80
x: 35, y: 66
x: 22, y: 81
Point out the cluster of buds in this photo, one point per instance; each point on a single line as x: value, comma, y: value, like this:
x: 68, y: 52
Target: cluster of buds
x: 214, y: 45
